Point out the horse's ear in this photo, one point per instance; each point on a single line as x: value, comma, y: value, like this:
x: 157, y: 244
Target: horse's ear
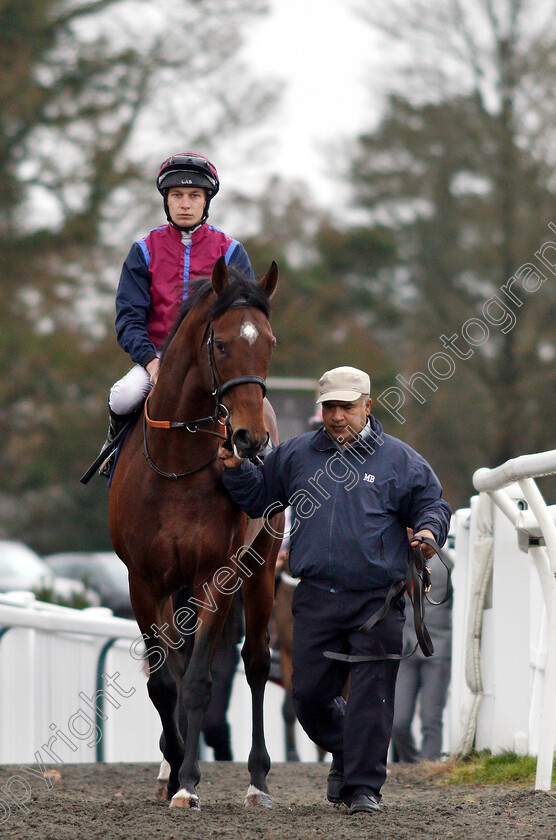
x: 270, y: 280
x: 219, y: 275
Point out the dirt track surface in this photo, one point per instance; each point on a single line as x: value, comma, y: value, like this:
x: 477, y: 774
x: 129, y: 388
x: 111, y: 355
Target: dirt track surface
x: 117, y: 801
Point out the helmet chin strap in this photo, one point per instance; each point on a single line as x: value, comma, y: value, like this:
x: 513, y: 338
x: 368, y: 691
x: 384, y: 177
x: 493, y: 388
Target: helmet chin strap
x: 192, y: 227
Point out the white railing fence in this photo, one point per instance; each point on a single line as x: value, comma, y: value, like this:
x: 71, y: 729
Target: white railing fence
x: 72, y: 691
x: 503, y: 692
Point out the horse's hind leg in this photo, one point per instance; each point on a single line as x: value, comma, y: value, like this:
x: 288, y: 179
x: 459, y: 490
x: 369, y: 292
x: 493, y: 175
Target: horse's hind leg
x: 284, y: 626
x: 258, y: 596
x: 290, y: 719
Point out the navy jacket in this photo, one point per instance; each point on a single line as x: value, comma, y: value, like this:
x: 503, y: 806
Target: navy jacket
x: 350, y: 508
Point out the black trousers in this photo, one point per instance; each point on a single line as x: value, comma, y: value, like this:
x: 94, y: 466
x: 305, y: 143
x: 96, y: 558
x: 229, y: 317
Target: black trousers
x: 357, y: 736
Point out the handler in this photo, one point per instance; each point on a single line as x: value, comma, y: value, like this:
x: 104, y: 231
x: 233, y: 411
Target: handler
x: 156, y: 275
x: 354, y: 491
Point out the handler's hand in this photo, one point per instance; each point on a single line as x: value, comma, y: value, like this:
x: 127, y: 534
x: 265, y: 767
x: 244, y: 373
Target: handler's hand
x: 228, y: 458
x: 428, y: 551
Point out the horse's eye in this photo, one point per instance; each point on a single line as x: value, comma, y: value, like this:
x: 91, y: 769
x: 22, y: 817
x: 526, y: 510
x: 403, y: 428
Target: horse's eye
x: 220, y: 346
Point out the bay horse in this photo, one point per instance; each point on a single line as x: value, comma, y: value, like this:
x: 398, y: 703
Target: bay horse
x: 173, y: 524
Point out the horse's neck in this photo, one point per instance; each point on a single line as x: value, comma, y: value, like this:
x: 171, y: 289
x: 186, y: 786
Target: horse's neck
x: 179, y: 393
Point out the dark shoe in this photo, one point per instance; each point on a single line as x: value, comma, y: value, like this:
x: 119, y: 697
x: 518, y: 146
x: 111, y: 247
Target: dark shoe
x: 334, y: 785
x: 365, y: 802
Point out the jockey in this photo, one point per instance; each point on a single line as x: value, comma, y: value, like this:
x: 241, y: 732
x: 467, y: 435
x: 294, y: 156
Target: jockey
x: 156, y: 275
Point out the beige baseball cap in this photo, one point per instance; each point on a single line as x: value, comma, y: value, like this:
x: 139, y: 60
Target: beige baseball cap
x: 343, y: 383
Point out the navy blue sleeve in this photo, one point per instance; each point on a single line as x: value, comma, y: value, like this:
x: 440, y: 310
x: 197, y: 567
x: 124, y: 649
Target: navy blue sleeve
x: 425, y: 507
x: 240, y: 260
x: 133, y: 303
x: 256, y: 488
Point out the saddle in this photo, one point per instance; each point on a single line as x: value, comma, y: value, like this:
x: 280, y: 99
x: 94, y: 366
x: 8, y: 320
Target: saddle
x: 417, y: 584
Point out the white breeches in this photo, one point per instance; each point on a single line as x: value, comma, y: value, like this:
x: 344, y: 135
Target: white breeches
x: 128, y: 393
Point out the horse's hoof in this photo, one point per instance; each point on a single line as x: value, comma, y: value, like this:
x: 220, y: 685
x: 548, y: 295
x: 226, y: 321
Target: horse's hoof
x: 255, y: 797
x: 183, y: 799
x: 161, y: 790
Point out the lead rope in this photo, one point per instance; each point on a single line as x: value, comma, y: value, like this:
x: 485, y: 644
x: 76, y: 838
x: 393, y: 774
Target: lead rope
x: 417, y: 583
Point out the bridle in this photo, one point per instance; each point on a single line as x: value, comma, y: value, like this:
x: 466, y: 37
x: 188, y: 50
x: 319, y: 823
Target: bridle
x: 221, y: 414
x: 219, y: 388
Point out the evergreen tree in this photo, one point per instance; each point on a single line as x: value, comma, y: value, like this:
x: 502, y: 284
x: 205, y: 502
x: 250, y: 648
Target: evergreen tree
x: 461, y: 170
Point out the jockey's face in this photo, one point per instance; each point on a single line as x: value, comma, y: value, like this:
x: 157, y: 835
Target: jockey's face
x: 344, y: 420
x: 186, y: 205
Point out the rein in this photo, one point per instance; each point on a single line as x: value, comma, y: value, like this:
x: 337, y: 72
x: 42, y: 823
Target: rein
x: 165, y: 474
x: 417, y: 583
x: 221, y: 414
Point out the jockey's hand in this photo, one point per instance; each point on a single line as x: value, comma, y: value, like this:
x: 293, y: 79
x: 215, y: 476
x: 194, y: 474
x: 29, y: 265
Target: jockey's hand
x: 228, y: 458
x: 152, y: 370
x: 428, y: 551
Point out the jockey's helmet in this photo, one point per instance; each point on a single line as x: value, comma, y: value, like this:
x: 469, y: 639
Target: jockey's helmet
x: 188, y: 169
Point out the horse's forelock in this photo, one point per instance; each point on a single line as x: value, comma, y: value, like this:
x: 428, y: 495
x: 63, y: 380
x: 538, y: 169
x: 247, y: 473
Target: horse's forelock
x: 239, y: 287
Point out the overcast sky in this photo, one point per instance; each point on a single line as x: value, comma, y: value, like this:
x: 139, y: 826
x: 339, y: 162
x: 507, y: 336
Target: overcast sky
x: 323, y: 52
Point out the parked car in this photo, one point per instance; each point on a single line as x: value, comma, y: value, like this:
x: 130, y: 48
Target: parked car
x: 103, y: 571
x: 21, y: 569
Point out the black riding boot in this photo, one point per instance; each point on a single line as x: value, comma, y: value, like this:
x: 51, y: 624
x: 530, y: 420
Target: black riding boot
x: 117, y: 422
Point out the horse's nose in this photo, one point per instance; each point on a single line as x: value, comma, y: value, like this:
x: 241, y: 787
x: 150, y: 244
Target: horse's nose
x: 246, y: 445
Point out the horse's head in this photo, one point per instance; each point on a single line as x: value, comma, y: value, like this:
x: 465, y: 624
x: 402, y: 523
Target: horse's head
x: 240, y: 346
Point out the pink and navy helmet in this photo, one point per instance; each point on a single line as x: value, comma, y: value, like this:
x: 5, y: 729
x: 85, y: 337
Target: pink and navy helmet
x: 188, y: 169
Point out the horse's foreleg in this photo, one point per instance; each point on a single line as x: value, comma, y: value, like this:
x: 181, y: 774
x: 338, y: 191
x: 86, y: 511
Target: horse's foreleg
x: 164, y: 666
x: 163, y: 690
x: 196, y: 693
x: 258, y: 595
x: 257, y: 667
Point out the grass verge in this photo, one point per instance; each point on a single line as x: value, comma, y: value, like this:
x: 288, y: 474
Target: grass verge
x: 486, y: 769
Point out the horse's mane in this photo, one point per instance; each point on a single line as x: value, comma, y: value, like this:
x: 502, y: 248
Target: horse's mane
x: 239, y: 288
